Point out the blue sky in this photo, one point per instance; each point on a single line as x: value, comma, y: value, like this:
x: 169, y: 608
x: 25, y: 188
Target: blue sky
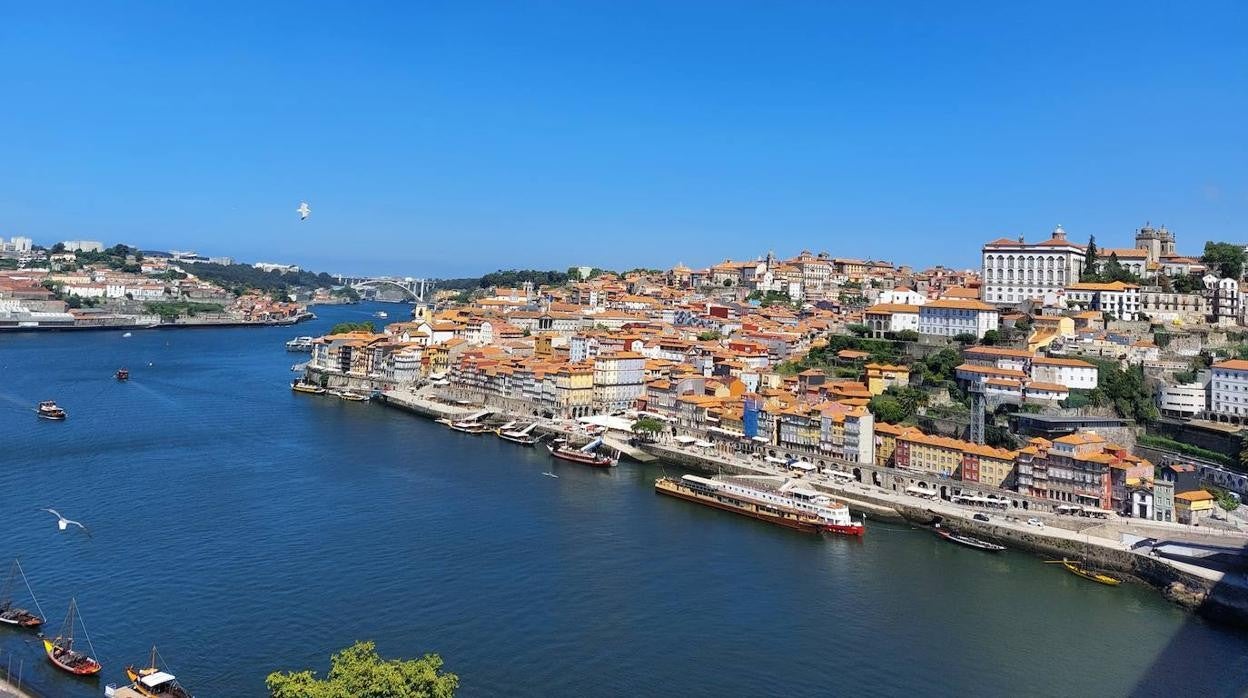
x: 454, y: 138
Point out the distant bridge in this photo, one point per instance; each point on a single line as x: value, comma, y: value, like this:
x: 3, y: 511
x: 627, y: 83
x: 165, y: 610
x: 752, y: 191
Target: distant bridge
x: 418, y: 290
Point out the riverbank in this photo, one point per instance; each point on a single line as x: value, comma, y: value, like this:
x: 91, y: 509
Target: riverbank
x: 1213, y: 594
x: 8, y: 690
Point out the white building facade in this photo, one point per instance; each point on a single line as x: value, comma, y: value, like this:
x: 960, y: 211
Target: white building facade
x: 1015, y: 270
x: 952, y: 317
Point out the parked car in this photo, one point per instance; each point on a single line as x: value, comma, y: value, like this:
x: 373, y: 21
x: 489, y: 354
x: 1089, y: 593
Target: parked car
x: 1033, y: 521
x: 980, y: 517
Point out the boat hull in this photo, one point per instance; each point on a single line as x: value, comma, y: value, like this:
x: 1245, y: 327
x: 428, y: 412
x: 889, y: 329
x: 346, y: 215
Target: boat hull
x: 578, y: 457
x: 52, y: 417
x: 971, y: 542
x: 853, y: 529
x: 85, y: 667
x: 804, y: 526
x: 522, y: 440
x: 1091, y: 576
x: 21, y: 618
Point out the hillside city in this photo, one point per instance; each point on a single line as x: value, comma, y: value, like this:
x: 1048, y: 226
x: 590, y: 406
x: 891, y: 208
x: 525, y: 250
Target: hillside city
x: 1099, y: 380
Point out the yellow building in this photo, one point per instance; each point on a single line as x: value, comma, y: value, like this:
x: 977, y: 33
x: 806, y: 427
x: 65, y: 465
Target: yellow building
x: 1047, y: 328
x: 1192, y: 506
x: 881, y: 377
x: 574, y: 389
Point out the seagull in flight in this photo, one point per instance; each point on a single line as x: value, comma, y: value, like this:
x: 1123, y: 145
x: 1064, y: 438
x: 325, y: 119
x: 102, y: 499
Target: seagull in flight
x: 64, y: 523
x: 304, y: 210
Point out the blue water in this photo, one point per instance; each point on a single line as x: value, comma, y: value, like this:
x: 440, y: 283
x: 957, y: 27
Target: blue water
x: 244, y: 528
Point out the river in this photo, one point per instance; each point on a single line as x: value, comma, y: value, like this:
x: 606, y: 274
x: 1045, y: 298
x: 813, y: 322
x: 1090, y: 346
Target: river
x: 244, y: 528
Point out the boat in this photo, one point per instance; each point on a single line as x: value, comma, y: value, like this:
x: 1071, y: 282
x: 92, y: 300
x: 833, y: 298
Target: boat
x: 789, y: 505
x: 1077, y: 568
x: 519, y: 436
x: 154, y: 682
x: 968, y: 541
x: 61, y: 652
x: 15, y: 615
x: 469, y: 427
x: 352, y: 397
x: 49, y: 410
x: 585, y: 455
x: 300, y: 344
x: 381, y: 314
x: 123, y: 374
x: 301, y: 387
x: 126, y: 334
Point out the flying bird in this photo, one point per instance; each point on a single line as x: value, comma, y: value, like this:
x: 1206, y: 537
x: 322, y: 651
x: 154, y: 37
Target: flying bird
x: 304, y: 210
x: 64, y: 523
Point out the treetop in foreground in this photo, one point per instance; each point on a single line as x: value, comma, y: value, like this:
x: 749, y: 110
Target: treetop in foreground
x: 359, y: 672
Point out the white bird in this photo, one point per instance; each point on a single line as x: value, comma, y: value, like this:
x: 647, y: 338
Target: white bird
x: 304, y: 210
x: 64, y: 523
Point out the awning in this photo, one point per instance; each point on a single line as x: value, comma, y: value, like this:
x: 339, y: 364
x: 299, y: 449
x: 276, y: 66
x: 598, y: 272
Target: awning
x: 704, y: 444
x: 154, y: 680
x: 726, y: 432
x: 685, y: 439
x: 920, y: 490
x: 761, y: 439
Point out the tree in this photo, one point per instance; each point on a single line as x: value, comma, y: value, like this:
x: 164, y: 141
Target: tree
x: 991, y: 337
x: 709, y: 336
x: 858, y: 329
x: 1185, y: 283
x: 906, y: 336
x: 1089, y: 257
x: 886, y: 408
x: 1024, y: 323
x: 647, y: 427
x: 1243, y: 451
x: 727, y: 283
x: 345, y: 327
x: 1224, y: 258
x: 358, y: 671
x: 964, y: 338
x: 58, y: 248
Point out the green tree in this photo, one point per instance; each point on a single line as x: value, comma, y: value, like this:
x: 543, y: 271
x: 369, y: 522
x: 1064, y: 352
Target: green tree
x: 727, y: 283
x: 1186, y: 283
x: 709, y: 336
x: 1224, y: 258
x: 887, y: 408
x: 991, y: 337
x: 1023, y: 324
x: 648, y: 427
x: 964, y: 338
x: 345, y: 327
x: 906, y: 336
x: 858, y: 329
x: 58, y: 248
x: 1089, y: 257
x: 359, y: 672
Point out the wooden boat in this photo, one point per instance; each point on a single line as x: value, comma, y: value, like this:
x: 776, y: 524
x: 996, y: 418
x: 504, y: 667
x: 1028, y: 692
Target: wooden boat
x: 352, y: 397
x: 15, y: 615
x: 49, y: 410
x: 154, y: 682
x: 61, y: 652
x: 469, y: 427
x: 585, y: 455
x: 969, y: 541
x: 524, y: 437
x: 123, y: 374
x: 1078, y: 569
x: 301, y: 387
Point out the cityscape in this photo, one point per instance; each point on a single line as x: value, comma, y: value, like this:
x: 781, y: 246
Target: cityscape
x: 497, y: 350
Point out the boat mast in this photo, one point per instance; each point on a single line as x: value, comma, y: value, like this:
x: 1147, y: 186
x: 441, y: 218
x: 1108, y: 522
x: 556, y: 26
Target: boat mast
x: 67, y: 628
x: 17, y: 563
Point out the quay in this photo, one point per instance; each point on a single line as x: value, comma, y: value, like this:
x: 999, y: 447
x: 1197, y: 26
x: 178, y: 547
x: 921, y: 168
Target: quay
x: 1101, y: 543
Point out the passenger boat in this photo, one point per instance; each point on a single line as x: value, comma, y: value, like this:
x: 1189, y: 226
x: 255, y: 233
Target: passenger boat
x: 790, y: 506
x: 49, y: 410
x: 61, y: 652
x: 300, y: 344
x: 1078, y: 569
x: 469, y: 427
x: 153, y: 682
x: 352, y: 397
x: 519, y: 436
x: 123, y: 374
x: 301, y: 387
x: 969, y: 541
x: 584, y: 455
x: 382, y: 314
x: 14, y: 615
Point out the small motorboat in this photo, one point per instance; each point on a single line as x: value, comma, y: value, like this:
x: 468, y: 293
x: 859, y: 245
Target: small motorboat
x: 123, y: 374
x: 524, y: 436
x: 61, y: 652
x: 469, y: 427
x: 382, y: 314
x: 353, y: 397
x: 48, y: 409
x: 301, y: 387
x: 126, y: 334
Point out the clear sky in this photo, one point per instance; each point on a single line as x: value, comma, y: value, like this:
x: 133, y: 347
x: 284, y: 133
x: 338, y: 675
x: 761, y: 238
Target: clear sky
x: 454, y: 138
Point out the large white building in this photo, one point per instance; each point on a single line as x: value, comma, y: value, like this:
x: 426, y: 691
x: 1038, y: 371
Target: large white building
x: 1071, y: 373
x: 950, y: 317
x: 83, y: 246
x: 1119, y: 299
x: 1228, y: 391
x: 1015, y: 270
x: 1186, y: 401
x: 892, y: 317
x: 619, y: 379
